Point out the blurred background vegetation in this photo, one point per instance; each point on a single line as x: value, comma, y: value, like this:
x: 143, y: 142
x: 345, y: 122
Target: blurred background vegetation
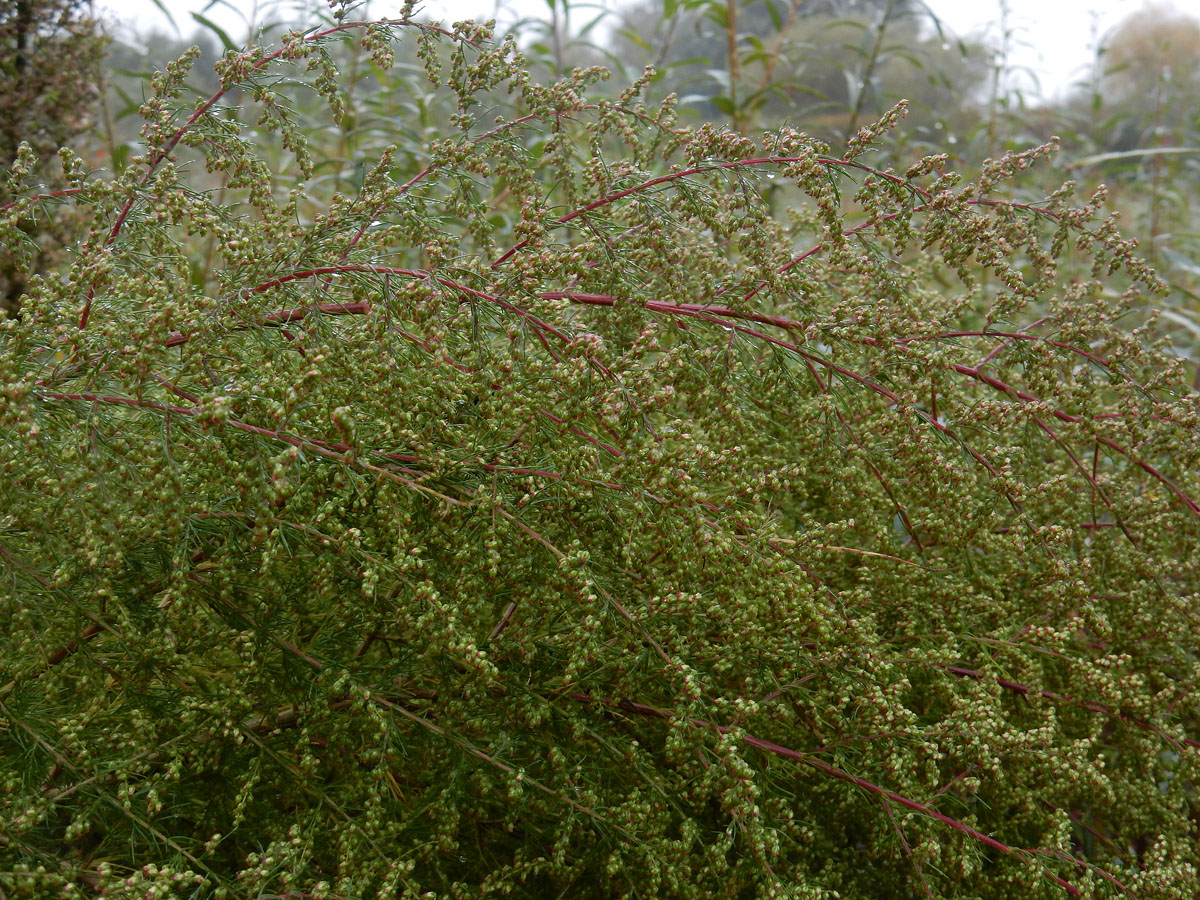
x: 826, y: 67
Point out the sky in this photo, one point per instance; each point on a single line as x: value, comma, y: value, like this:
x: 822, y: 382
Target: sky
x: 1052, y: 41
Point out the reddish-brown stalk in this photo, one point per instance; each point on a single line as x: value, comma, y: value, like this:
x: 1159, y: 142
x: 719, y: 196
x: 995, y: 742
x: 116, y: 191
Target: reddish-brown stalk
x: 1089, y: 705
x: 487, y: 135
x: 37, y: 198
x: 684, y: 173
x: 822, y: 766
x: 714, y: 314
x: 156, y: 160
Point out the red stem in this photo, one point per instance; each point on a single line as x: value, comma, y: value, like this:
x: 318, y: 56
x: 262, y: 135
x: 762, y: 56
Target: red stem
x: 1089, y: 705
x: 684, y: 173
x: 37, y: 198
x: 834, y: 771
x: 174, y: 140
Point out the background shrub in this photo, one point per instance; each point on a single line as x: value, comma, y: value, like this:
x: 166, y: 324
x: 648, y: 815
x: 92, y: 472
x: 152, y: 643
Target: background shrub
x: 560, y: 501
x: 50, y: 56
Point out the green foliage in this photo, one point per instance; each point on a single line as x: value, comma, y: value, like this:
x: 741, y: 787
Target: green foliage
x: 49, y: 59
x: 50, y: 55
x: 529, y: 510
x: 827, y: 67
x: 1134, y: 125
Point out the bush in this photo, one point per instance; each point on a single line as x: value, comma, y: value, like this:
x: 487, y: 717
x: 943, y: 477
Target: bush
x: 50, y: 61
x: 532, y: 512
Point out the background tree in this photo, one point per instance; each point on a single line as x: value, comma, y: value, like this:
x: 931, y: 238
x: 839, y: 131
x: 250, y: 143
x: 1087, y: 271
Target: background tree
x: 1150, y: 80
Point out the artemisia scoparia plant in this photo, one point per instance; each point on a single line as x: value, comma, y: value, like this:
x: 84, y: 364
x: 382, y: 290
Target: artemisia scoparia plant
x: 536, y: 514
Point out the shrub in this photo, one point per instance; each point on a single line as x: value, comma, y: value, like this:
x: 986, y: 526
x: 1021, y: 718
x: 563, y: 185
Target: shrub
x: 543, y: 517
x: 50, y: 55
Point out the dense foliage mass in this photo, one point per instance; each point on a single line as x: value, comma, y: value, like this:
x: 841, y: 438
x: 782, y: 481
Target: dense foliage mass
x: 561, y: 502
x: 50, y: 56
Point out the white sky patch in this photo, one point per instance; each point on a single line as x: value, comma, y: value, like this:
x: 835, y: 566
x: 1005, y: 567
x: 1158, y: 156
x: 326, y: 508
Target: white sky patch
x: 1051, y: 43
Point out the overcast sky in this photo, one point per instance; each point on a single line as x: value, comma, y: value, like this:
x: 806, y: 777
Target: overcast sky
x: 1052, y: 39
